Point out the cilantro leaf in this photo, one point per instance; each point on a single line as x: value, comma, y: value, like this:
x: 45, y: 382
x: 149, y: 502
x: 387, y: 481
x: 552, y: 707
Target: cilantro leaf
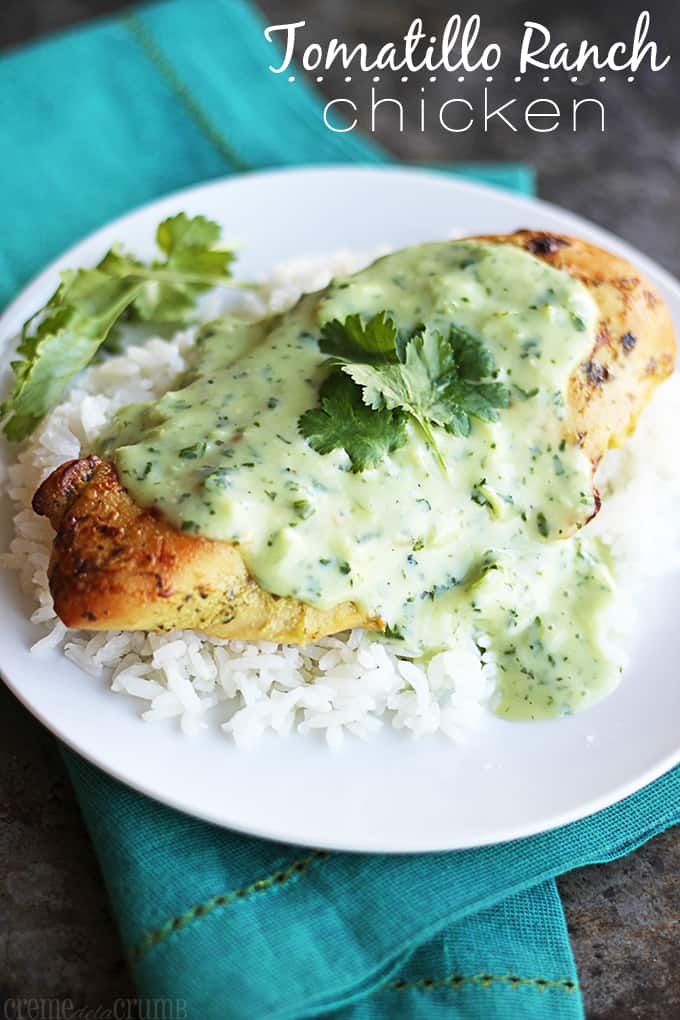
x: 343, y: 421
x: 191, y: 267
x: 356, y: 340
x: 478, y: 400
x: 435, y: 380
x: 63, y: 344
x: 473, y: 359
x: 417, y: 386
x: 439, y: 382
x: 181, y: 233
x: 63, y: 337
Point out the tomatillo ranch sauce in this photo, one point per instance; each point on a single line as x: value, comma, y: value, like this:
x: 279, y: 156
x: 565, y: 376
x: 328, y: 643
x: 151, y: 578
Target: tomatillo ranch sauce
x: 486, y: 543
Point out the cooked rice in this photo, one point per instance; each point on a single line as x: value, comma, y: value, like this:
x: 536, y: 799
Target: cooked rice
x: 350, y: 683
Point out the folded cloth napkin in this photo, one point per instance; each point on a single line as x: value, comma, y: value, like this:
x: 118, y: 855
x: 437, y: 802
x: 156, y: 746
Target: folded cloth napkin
x: 98, y: 121
x: 244, y: 928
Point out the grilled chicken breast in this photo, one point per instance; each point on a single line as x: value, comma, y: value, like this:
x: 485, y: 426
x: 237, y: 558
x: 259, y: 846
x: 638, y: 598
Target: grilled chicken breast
x: 118, y: 566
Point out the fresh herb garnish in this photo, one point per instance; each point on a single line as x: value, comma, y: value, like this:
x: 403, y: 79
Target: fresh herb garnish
x: 354, y: 340
x: 64, y: 336
x: 434, y: 380
x: 343, y: 421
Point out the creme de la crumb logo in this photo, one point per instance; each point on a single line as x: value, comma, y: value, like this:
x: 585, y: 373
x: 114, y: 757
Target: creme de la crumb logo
x: 461, y: 52
x: 48, y: 1008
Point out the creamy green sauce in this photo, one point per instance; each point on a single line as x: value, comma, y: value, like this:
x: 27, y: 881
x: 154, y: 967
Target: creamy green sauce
x: 481, y: 547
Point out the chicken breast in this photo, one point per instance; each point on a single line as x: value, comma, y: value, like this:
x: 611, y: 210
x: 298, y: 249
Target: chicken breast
x: 116, y: 565
x: 635, y: 345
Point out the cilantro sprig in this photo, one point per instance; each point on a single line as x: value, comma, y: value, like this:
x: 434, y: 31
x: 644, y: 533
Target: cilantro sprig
x: 435, y: 380
x: 354, y: 339
x: 344, y: 421
x: 65, y: 335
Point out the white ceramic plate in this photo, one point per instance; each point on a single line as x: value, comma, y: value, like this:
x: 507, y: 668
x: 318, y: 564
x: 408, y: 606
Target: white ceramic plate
x: 395, y: 793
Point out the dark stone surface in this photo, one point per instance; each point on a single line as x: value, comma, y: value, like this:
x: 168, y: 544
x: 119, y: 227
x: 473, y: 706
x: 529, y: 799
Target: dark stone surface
x: 56, y: 932
x: 57, y: 938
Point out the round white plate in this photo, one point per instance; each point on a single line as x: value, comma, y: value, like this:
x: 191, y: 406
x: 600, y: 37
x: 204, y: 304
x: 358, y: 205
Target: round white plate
x: 394, y: 793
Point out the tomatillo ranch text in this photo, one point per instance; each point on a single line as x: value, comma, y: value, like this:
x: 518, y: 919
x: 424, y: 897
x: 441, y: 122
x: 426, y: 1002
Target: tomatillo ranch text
x: 460, y: 47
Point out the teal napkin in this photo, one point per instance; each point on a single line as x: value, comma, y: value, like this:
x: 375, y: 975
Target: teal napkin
x: 96, y: 122
x: 242, y: 928
x: 99, y: 121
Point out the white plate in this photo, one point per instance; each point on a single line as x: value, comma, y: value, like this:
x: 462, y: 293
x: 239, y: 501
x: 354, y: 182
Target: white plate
x: 392, y: 794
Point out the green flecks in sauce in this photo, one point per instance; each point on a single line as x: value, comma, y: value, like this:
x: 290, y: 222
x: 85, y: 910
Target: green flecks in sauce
x: 477, y: 548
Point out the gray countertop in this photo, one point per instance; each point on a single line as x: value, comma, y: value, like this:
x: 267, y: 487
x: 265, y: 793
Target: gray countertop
x: 56, y: 934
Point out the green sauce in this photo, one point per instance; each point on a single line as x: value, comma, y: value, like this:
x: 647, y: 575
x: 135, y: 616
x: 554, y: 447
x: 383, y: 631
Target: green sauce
x: 478, y: 547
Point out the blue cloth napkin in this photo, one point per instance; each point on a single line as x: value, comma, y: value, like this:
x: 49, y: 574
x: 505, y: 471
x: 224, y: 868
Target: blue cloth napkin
x: 242, y: 928
x: 96, y: 122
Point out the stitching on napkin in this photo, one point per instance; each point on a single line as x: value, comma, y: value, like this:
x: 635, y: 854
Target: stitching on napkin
x: 199, y: 910
x: 141, y: 34
x: 483, y: 980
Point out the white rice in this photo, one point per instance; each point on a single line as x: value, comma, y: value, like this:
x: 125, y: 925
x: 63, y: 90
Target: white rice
x: 350, y: 683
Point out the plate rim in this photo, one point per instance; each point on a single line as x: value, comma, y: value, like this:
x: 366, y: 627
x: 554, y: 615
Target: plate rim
x: 45, y: 279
